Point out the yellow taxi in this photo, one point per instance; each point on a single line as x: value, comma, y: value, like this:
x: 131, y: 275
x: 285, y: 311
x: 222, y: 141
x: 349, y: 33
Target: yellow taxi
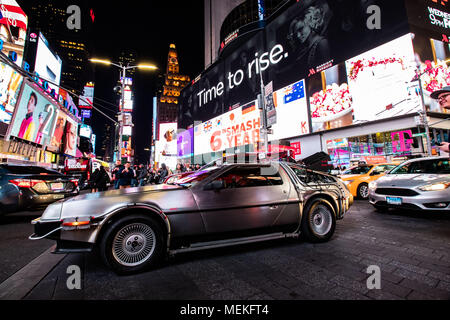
x: 357, y: 178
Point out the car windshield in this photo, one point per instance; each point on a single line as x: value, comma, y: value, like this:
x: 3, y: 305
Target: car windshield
x: 30, y: 170
x: 358, y: 170
x: 432, y: 166
x: 197, y: 176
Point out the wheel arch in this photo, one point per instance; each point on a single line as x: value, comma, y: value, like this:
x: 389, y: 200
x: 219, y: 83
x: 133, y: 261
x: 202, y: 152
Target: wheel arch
x: 327, y: 198
x: 143, y: 209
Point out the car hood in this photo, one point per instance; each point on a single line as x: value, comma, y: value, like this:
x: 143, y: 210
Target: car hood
x: 162, y: 197
x: 346, y: 177
x: 411, y: 180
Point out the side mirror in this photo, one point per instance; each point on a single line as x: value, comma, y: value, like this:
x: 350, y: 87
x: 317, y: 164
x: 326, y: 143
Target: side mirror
x: 215, y: 185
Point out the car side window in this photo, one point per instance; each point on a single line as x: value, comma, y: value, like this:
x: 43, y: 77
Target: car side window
x: 307, y: 177
x: 245, y: 177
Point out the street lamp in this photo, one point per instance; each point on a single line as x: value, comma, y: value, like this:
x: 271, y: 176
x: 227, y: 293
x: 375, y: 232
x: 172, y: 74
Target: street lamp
x: 124, y: 69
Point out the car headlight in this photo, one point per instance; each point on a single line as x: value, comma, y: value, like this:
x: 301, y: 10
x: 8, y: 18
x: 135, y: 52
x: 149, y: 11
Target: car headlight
x: 53, y: 212
x: 372, y: 185
x: 436, y: 186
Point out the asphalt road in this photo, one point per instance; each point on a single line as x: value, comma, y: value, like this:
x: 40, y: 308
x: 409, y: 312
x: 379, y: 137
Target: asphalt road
x: 411, y: 249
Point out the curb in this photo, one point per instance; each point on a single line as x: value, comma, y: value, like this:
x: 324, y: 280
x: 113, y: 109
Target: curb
x: 23, y: 281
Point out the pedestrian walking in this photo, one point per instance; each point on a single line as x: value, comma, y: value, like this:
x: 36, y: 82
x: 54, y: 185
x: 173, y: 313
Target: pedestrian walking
x: 116, y: 173
x: 134, y: 180
x: 179, y: 169
x: 126, y: 175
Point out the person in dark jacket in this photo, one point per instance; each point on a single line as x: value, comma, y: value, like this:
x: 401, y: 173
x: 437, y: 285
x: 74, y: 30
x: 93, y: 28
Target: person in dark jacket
x: 93, y: 180
x: 162, y: 173
x: 126, y: 175
x: 142, y: 175
x: 102, y: 180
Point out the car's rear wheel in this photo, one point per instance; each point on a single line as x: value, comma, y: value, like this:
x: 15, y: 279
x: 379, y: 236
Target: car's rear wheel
x: 132, y: 244
x: 363, y: 191
x: 318, y: 221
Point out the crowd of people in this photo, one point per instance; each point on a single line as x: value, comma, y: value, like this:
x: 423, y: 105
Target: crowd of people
x: 125, y: 175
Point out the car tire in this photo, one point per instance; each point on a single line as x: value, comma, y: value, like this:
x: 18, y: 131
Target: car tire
x: 318, y: 221
x: 132, y: 244
x: 363, y: 191
x: 381, y: 209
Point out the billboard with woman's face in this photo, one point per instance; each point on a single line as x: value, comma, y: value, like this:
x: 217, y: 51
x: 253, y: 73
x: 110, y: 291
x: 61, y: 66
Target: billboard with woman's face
x: 58, y: 134
x: 34, y: 118
x: 71, y: 137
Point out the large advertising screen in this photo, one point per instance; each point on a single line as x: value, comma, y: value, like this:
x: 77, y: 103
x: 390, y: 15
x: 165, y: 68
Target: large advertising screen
x: 308, y: 37
x: 34, y: 118
x: 235, y: 128
x: 70, y: 137
x: 48, y: 65
x: 185, y: 143
x: 377, y: 84
x: 58, y: 134
x: 168, y: 138
x: 10, y: 83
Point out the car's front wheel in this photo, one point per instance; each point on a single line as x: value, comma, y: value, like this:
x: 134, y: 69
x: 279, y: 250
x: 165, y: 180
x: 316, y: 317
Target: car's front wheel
x: 132, y: 244
x: 363, y: 191
x: 318, y: 221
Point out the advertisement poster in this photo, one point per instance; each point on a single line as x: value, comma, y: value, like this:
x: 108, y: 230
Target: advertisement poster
x: 291, y: 112
x: 185, y: 143
x: 435, y: 73
x: 235, y: 128
x: 48, y: 65
x: 160, y: 158
x: 168, y: 139
x: 71, y: 137
x: 381, y: 81
x: 10, y: 83
x: 35, y: 117
x: 57, y: 137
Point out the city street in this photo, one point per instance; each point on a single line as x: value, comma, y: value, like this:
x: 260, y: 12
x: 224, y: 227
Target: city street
x: 411, y: 249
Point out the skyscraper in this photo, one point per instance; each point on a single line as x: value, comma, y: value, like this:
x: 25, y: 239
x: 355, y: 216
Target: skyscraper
x: 173, y: 84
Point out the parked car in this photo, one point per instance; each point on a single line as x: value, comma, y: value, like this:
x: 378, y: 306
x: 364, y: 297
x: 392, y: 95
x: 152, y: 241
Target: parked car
x: 219, y: 205
x: 418, y: 184
x: 29, y: 187
x: 357, y: 178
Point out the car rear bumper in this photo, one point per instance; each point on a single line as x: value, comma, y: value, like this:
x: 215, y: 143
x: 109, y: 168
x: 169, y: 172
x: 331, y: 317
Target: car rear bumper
x: 29, y: 200
x: 424, y: 201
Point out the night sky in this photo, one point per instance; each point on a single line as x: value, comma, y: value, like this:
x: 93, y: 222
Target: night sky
x: 148, y: 27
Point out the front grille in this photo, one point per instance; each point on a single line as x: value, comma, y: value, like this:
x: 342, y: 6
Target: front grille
x: 396, y: 192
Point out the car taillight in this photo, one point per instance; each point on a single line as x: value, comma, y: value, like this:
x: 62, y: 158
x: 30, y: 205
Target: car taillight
x: 75, y: 182
x: 25, y: 183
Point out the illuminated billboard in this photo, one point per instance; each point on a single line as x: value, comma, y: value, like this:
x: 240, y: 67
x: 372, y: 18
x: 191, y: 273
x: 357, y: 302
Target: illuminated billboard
x: 71, y: 137
x: 34, y: 118
x: 377, y: 84
x: 48, y: 64
x: 185, y: 143
x: 10, y: 83
x: 85, y: 131
x: 168, y: 139
x: 235, y: 128
x: 58, y: 133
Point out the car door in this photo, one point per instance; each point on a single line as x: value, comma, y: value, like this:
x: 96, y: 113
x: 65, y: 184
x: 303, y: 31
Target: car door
x: 252, y: 197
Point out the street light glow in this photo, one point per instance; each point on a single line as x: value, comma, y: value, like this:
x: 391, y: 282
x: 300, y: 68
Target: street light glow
x: 147, y: 66
x: 107, y: 62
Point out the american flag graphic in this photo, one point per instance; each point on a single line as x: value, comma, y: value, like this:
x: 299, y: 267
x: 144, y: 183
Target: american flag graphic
x: 12, y: 14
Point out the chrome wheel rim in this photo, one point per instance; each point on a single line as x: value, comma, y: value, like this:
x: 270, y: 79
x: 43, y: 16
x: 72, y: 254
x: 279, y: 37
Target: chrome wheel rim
x: 321, y: 220
x: 364, y: 191
x: 134, y: 244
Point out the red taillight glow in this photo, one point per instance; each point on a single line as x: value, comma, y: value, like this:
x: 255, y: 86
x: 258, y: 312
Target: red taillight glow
x: 25, y: 183
x: 75, y: 182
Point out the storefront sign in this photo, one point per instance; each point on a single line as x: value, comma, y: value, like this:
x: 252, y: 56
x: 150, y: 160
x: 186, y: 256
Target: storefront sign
x: 400, y: 141
x: 20, y: 148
